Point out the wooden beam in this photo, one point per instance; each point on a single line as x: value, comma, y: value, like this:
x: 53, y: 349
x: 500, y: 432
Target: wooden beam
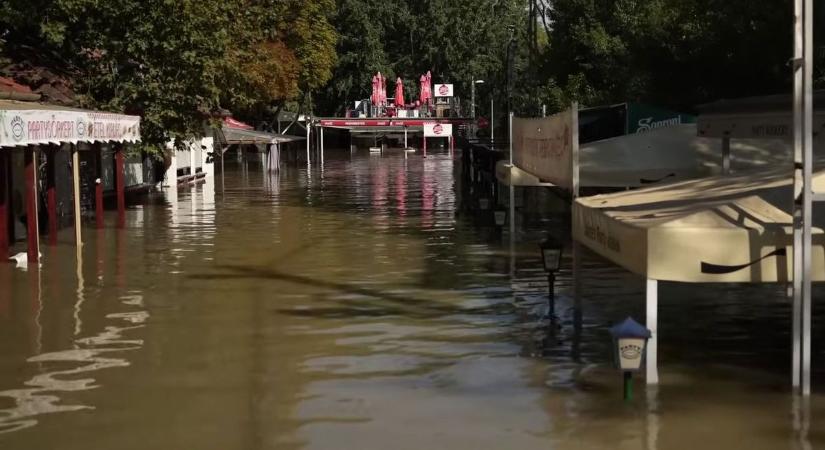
x: 4, y: 204
x: 32, y: 234
x: 98, y: 152
x: 51, y: 193
x: 78, y: 239
x: 120, y: 186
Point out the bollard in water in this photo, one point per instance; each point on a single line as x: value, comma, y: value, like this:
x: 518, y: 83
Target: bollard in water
x: 628, y: 386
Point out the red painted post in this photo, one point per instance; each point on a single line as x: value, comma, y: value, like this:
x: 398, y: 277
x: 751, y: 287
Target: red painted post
x: 120, y: 186
x: 31, y: 205
x: 4, y: 204
x: 98, y: 149
x: 51, y: 194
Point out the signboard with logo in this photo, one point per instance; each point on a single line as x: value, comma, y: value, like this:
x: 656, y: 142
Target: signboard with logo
x: 545, y: 147
x: 642, y: 118
x: 443, y: 90
x: 33, y: 127
x: 438, y: 129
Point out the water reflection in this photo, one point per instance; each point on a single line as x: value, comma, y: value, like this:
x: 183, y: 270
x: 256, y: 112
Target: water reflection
x: 352, y: 307
x: 42, y: 394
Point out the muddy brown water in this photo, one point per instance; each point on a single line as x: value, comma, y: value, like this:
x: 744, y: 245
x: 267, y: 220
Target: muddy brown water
x: 351, y: 307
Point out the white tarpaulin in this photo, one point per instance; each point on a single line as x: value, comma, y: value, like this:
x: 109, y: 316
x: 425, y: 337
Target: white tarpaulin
x: 732, y: 228
x: 23, y: 123
x: 544, y: 147
x: 670, y: 154
x: 438, y: 129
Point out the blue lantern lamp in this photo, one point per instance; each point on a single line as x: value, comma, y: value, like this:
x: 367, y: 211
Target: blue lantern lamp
x: 629, y: 342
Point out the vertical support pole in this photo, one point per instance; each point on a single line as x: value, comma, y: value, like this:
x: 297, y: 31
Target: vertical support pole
x: 807, y: 193
x: 405, y: 138
x: 308, y: 143
x: 726, y: 154
x: 452, y: 146
x: 4, y: 204
x: 424, y: 139
x: 543, y: 110
x: 510, y: 137
x: 652, y: 307
x: 32, y: 233
x: 78, y: 240
x: 98, y: 149
x: 492, y: 121
x: 51, y: 194
x: 577, y: 301
x: 799, y: 189
x: 120, y: 186
x: 574, y: 146
x: 322, y: 144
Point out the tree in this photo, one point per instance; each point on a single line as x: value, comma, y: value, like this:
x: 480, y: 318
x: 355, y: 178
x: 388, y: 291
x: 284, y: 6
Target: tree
x: 175, y: 62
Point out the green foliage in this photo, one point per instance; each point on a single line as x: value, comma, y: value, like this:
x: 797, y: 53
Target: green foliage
x: 174, y: 62
x: 676, y: 53
x: 456, y: 40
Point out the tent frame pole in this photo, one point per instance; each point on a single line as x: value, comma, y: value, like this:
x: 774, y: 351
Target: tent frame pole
x: 652, y: 319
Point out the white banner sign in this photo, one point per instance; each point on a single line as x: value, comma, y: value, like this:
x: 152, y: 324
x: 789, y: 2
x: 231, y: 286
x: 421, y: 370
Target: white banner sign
x: 33, y: 127
x: 544, y: 147
x: 443, y: 90
x: 438, y: 129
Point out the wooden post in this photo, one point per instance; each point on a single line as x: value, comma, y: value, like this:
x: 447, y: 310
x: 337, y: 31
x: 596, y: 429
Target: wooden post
x: 51, y: 193
x: 98, y: 149
x: 424, y: 139
x: 32, y: 235
x: 4, y: 204
x: 120, y: 186
x: 76, y: 191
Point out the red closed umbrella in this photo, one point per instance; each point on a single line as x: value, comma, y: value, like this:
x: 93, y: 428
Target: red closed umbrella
x: 399, y: 92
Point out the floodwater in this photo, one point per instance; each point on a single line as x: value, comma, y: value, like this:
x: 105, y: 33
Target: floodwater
x: 353, y: 307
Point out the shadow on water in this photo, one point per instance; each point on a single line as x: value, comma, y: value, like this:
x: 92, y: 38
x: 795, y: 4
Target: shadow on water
x: 399, y: 305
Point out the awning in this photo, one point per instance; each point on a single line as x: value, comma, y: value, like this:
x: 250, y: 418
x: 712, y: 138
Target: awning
x: 665, y: 154
x: 509, y: 174
x: 30, y: 123
x: 235, y: 136
x: 756, y: 117
x: 732, y: 228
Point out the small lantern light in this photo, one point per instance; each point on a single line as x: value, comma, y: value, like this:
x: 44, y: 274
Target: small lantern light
x: 501, y: 216
x: 629, y: 342
x: 551, y: 260
x: 551, y: 255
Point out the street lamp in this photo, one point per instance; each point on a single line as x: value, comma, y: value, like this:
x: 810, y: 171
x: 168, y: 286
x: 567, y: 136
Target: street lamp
x: 473, y: 97
x: 629, y: 342
x: 500, y: 216
x: 551, y: 251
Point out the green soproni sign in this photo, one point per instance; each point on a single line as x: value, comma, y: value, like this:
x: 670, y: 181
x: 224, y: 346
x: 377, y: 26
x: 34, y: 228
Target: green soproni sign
x: 642, y: 118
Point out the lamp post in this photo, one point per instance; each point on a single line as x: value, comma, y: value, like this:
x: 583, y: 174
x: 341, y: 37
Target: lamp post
x: 629, y: 342
x: 473, y: 97
x: 551, y: 251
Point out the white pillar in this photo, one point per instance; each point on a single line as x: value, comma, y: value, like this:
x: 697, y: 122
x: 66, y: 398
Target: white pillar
x: 308, y: 135
x: 405, y: 139
x: 322, y: 145
x: 492, y: 120
x: 652, y: 303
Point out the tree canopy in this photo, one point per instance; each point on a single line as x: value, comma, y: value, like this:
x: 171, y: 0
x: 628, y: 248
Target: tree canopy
x: 176, y: 61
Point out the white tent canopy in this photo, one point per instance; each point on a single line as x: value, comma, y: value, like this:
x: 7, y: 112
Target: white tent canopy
x: 734, y: 228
